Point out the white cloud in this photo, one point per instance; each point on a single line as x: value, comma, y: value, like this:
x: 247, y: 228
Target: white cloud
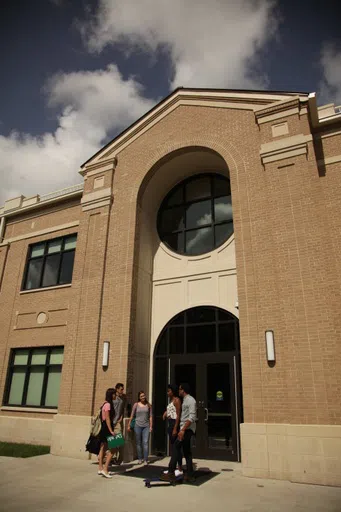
x: 330, y: 87
x: 211, y: 43
x: 92, y: 104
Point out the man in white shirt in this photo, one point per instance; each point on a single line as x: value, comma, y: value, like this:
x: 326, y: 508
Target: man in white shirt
x: 187, y: 430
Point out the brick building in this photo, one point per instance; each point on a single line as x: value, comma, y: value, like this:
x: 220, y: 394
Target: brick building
x: 146, y: 255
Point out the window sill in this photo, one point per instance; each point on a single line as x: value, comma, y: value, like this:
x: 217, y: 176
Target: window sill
x: 28, y: 409
x: 46, y: 289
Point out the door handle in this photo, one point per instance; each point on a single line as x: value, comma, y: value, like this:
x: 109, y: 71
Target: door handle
x: 206, y: 414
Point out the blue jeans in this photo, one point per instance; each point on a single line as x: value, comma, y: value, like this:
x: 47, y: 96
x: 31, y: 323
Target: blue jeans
x: 142, y: 439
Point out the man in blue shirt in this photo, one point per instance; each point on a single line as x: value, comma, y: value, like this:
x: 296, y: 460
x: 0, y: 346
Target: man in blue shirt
x: 187, y: 430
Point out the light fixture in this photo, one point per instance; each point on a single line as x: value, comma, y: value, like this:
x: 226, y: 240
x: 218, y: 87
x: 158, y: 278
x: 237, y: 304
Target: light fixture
x: 106, y: 346
x: 270, y: 346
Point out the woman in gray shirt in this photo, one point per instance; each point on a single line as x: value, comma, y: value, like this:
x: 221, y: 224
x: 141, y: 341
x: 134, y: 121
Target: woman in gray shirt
x: 142, y: 412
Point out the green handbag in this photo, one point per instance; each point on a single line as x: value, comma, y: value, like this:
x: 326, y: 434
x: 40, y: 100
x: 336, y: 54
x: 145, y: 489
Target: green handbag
x: 115, y: 441
x: 132, y: 423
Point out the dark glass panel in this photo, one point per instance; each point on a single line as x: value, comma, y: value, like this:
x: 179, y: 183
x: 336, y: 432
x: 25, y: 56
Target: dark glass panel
x: 160, y: 404
x: 227, y: 337
x: 199, y: 241
x: 221, y: 186
x: 199, y: 188
x: 200, y: 315
x: 178, y: 319
x: 51, y: 269
x: 224, y: 316
x: 34, y: 274
x: 162, y: 348
x: 223, y: 209
x: 172, y: 219
x: 67, y: 267
x: 222, y: 233
x: 176, y: 197
x: 198, y: 214
x: 201, y: 339
x: 176, y: 340
x: 175, y: 241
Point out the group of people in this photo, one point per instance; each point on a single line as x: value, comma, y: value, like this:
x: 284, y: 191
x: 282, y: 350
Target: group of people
x: 180, y: 416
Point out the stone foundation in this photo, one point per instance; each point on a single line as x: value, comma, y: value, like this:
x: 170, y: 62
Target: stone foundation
x: 299, y: 453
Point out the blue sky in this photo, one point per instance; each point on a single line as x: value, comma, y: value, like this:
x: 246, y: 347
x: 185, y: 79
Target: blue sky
x: 75, y: 73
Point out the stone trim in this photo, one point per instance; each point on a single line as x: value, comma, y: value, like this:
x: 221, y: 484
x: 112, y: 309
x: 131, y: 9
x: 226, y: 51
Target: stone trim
x: 40, y: 233
x: 326, y: 135
x: 46, y: 288
x: 329, y: 160
x: 285, y: 148
x: 97, y: 199
x: 9, y: 408
x: 278, y: 110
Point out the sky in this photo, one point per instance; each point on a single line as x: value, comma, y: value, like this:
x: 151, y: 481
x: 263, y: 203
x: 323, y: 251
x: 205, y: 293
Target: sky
x: 75, y: 73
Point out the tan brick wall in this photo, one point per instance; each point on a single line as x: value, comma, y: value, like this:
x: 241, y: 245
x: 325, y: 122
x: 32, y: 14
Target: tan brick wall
x: 287, y: 227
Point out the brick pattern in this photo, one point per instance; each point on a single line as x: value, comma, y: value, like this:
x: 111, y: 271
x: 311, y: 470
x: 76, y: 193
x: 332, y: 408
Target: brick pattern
x: 287, y: 223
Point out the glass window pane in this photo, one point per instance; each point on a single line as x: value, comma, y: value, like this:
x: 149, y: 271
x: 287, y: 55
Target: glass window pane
x: 21, y: 356
x: 198, y: 214
x: 199, y: 241
x: 201, y: 339
x: 175, y: 241
x: 223, y: 233
x: 161, y: 348
x: 34, y: 274
x: 200, y: 315
x: 54, y: 246
x: 224, y: 315
x: 70, y: 243
x: 223, y: 209
x: 67, y: 267
x: 35, y: 387
x: 17, y: 386
x: 221, y: 186
x: 172, y: 220
x: 198, y: 189
x: 37, y: 250
x: 176, y: 340
x: 177, y: 197
x: 227, y: 337
x: 39, y: 356
x: 53, y: 388
x: 51, y: 269
x: 57, y: 355
x: 178, y: 319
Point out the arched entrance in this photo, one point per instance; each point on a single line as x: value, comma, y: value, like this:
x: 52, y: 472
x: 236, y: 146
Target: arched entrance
x: 201, y: 346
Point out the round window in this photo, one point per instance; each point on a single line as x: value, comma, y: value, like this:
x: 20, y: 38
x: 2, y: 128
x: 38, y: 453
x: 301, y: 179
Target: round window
x: 196, y: 216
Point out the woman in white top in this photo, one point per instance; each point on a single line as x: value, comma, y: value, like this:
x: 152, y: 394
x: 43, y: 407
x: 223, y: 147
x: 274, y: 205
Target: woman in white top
x: 172, y: 414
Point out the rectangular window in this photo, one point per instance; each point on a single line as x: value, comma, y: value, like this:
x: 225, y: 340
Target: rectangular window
x: 34, y: 377
x: 50, y: 263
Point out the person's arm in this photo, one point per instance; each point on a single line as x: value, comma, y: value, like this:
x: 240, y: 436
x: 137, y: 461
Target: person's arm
x: 132, y: 416
x: 192, y: 417
x: 177, y: 404
x: 150, y: 418
x: 108, y: 422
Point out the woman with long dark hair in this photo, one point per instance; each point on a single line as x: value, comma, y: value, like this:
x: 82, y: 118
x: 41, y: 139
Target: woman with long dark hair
x: 172, y: 414
x: 107, y: 414
x: 142, y: 412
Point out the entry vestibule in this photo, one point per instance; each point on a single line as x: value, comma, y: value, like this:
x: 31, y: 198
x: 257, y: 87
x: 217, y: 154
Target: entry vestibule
x: 200, y: 346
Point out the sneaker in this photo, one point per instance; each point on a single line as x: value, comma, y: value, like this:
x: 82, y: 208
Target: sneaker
x: 169, y: 477
x: 146, y: 462
x: 178, y: 473
x: 140, y: 462
x: 165, y: 472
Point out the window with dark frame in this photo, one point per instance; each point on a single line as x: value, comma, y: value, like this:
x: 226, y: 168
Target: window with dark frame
x: 196, y: 216
x: 34, y: 376
x: 50, y: 263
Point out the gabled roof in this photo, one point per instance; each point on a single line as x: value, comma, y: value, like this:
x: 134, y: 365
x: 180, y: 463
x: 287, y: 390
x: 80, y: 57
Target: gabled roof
x: 230, y: 98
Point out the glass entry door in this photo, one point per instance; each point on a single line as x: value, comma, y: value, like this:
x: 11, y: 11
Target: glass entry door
x: 213, y: 385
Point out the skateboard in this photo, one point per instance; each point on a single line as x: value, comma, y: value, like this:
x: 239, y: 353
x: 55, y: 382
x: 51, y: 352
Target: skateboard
x: 149, y: 482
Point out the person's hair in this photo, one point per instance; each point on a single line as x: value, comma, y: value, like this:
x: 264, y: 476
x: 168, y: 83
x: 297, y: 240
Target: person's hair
x: 142, y: 393
x: 119, y: 385
x: 108, y: 398
x: 173, y: 389
x: 185, y: 387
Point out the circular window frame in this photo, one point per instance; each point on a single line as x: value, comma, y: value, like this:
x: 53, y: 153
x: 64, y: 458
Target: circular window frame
x: 182, y: 184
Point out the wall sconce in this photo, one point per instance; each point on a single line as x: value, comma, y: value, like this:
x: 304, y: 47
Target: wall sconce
x: 270, y: 346
x: 106, y: 346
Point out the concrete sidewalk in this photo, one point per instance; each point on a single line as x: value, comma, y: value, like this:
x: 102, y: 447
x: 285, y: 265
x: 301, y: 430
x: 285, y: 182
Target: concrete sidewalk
x: 49, y: 483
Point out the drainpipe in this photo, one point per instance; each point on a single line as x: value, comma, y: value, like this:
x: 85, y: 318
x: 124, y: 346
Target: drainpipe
x: 2, y: 228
